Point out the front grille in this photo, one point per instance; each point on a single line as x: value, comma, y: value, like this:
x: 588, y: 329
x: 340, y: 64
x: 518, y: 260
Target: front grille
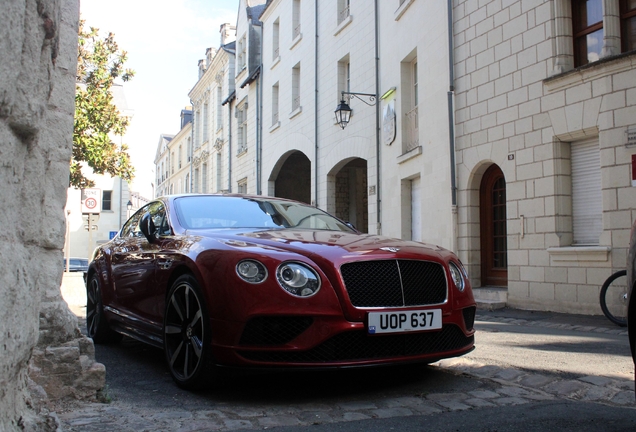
x: 358, y: 345
x: 274, y: 330
x: 394, y: 283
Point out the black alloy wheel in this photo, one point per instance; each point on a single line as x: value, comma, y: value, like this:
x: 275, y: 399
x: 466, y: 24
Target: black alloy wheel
x: 186, y: 338
x: 97, y: 327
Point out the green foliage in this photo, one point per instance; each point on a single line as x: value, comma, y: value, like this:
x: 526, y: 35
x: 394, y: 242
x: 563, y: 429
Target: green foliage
x: 97, y: 120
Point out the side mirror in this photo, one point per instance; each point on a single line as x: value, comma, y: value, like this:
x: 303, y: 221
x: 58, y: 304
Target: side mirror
x: 148, y: 228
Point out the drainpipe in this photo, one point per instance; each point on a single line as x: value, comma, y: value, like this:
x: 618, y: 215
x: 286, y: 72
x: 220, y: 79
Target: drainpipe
x: 192, y: 144
x: 378, y: 188
x: 316, y: 107
x: 229, y: 147
x: 258, y: 134
x: 451, y: 125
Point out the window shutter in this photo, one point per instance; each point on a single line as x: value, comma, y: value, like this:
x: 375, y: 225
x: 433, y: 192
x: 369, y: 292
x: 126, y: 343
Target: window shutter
x: 587, y: 202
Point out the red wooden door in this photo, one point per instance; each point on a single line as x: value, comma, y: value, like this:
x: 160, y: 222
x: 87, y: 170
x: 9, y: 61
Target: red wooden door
x: 494, y: 242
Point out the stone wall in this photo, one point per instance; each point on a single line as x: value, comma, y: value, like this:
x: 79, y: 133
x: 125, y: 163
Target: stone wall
x: 38, y: 57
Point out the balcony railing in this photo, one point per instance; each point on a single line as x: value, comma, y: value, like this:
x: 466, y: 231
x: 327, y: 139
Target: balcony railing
x: 343, y: 14
x: 412, y: 134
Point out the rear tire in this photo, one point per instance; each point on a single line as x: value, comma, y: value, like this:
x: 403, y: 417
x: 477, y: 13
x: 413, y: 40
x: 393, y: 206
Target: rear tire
x: 97, y: 327
x: 614, y: 298
x: 186, y: 335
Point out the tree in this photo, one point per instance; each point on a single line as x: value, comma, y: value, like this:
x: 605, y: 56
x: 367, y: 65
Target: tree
x: 97, y: 120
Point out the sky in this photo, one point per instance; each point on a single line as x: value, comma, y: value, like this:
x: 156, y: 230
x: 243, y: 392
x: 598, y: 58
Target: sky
x: 164, y: 39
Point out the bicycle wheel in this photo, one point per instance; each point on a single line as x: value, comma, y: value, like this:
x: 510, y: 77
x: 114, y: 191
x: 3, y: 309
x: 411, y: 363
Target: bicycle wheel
x: 614, y: 298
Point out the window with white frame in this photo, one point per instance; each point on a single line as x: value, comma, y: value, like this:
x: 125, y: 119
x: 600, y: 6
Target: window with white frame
x: 295, y: 19
x: 296, y: 87
x: 204, y: 178
x: 196, y: 178
x: 587, y: 201
x: 241, y: 127
x: 344, y: 76
x: 219, y: 166
x: 276, y: 39
x: 189, y: 156
x: 205, y: 125
x: 180, y: 155
x: 241, y: 54
x: 242, y: 186
x: 172, y: 163
x: 275, y: 89
x: 343, y: 10
x: 186, y: 183
x: 410, y: 125
x: 197, y: 129
x: 219, y: 108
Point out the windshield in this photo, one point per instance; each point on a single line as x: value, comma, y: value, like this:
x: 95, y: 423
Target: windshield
x: 204, y: 212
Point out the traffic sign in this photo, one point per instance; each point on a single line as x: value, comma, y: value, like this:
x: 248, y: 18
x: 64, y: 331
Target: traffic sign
x: 91, y: 199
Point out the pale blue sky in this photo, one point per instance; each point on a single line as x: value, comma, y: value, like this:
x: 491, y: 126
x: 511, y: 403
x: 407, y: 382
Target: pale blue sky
x: 165, y: 40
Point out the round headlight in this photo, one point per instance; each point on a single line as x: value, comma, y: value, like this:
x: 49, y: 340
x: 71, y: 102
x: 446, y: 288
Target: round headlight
x: 251, y: 271
x: 457, y: 276
x: 298, y: 279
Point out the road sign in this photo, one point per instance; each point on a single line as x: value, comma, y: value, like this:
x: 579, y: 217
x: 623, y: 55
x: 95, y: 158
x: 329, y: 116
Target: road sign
x: 91, y: 201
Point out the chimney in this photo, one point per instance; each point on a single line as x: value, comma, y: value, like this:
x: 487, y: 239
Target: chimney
x: 201, y: 68
x: 228, y: 33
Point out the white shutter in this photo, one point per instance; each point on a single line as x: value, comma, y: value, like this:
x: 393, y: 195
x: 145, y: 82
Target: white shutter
x: 416, y: 210
x: 587, y: 201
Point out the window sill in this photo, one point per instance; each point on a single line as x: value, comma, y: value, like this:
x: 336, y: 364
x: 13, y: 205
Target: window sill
x: 241, y: 152
x: 296, y: 40
x: 295, y: 112
x: 275, y: 62
x: 409, y: 155
x: 345, y: 22
x: 580, y: 253
x: 273, y: 127
x: 403, y: 7
x: 591, y: 71
x: 240, y: 73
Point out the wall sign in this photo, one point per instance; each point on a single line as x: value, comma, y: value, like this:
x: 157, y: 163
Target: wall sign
x: 631, y: 136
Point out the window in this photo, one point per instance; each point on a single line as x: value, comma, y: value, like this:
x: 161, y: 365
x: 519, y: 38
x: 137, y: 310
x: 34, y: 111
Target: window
x: 197, y: 129
x: 276, y: 39
x: 107, y: 197
x: 218, y: 171
x: 343, y: 10
x: 241, y: 123
x: 344, y: 76
x: 180, y: 151
x: 410, y: 100
x: 172, y: 163
x: 295, y: 19
x: 204, y: 178
x: 195, y: 186
x: 628, y: 25
x: 206, y: 117
x: 189, y: 149
x: 219, y: 108
x: 587, y: 204
x: 242, y: 186
x: 241, y: 58
x: 186, y: 184
x: 296, y: 87
x: 275, y: 104
x: 587, y: 28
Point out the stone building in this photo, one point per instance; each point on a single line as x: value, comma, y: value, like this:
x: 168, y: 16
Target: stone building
x: 545, y: 103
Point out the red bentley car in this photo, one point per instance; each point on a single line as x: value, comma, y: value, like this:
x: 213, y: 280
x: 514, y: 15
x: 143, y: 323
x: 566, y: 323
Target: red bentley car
x: 253, y: 281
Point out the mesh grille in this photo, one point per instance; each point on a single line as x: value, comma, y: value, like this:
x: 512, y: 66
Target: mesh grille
x: 357, y: 345
x: 394, y: 283
x: 274, y: 330
x: 469, y: 317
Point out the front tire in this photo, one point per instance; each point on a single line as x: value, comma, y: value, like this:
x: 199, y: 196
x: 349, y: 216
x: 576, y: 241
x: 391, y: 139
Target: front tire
x: 613, y: 298
x: 186, y: 335
x: 97, y: 327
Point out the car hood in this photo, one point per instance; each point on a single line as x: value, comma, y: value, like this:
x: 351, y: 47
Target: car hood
x: 334, y: 244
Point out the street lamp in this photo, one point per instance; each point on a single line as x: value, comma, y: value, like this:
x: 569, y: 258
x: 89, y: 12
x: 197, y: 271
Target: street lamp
x: 343, y: 111
x: 129, y: 207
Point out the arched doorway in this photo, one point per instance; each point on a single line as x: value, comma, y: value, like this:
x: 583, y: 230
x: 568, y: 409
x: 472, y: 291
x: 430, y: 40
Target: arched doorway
x: 294, y: 178
x: 352, y: 203
x: 494, y: 241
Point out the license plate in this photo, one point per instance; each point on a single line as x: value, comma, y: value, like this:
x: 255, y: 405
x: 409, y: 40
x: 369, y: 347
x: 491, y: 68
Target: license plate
x: 399, y: 322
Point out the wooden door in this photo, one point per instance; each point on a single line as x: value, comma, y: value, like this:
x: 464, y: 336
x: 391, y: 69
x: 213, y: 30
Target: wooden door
x: 494, y: 242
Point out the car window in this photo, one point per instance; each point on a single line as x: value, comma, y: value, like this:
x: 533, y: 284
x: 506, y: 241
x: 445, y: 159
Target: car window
x: 158, y: 215
x: 232, y: 212
x: 131, y: 227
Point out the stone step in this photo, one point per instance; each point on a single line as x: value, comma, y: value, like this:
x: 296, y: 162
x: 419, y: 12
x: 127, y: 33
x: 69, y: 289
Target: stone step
x: 490, y: 298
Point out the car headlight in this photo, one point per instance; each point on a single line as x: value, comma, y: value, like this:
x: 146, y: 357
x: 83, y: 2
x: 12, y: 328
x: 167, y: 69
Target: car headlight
x: 457, y: 276
x: 251, y: 271
x: 298, y: 279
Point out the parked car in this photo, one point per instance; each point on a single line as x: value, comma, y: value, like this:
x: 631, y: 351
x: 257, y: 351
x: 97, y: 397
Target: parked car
x: 76, y: 264
x: 631, y: 295
x: 263, y: 282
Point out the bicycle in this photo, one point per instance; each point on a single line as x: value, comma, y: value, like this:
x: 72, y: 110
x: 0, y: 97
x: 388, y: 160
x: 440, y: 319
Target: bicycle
x: 614, y: 298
